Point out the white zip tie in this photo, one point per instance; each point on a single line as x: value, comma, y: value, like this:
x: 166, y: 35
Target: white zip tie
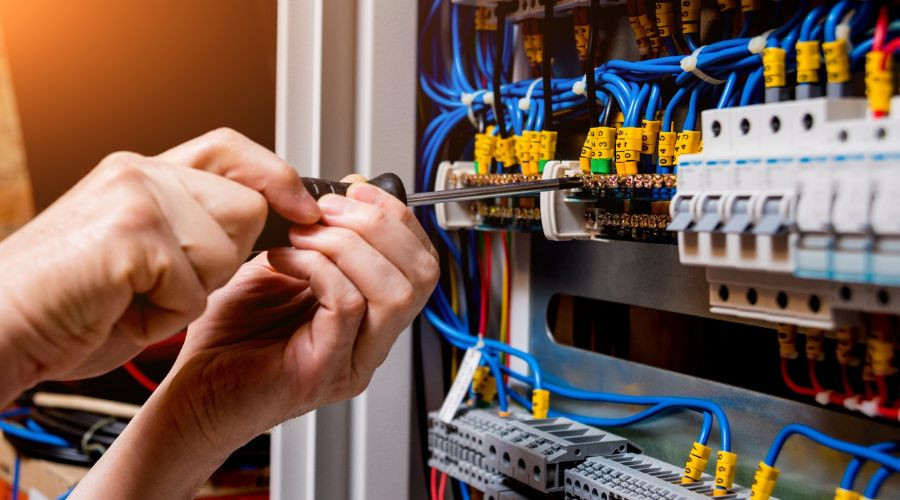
x: 580, y: 87
x: 689, y: 63
x: 525, y: 102
x: 842, y: 30
x: 823, y: 397
x: 757, y: 44
x: 468, y: 99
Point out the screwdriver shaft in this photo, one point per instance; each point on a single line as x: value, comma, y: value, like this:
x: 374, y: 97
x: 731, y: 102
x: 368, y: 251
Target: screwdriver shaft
x: 492, y: 191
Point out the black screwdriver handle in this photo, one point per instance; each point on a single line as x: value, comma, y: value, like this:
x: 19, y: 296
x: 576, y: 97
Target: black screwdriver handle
x: 390, y: 183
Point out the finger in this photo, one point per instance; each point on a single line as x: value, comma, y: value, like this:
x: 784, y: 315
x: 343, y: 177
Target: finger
x: 368, y: 193
x: 229, y: 154
x: 168, y: 292
x: 332, y: 332
x: 386, y: 233
x: 380, y: 281
x: 238, y: 210
x: 354, y: 179
x: 213, y: 254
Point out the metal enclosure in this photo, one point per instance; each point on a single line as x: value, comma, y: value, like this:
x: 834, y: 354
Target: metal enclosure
x: 346, y: 103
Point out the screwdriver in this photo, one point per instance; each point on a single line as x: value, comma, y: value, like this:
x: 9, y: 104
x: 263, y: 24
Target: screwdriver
x: 392, y: 184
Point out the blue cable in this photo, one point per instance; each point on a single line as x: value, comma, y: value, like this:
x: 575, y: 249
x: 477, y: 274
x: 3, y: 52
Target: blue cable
x: 690, y: 119
x: 835, y: 15
x: 669, y: 402
x: 812, y: 19
x: 702, y: 438
x: 463, y: 339
x: 829, y: 442
x: 22, y: 432
x: 463, y: 490
x: 17, y: 472
x: 853, y: 468
x: 877, y: 481
x: 727, y: 91
x: 494, y: 365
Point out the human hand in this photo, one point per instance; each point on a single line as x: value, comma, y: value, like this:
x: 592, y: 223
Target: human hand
x: 129, y: 255
x: 294, y: 329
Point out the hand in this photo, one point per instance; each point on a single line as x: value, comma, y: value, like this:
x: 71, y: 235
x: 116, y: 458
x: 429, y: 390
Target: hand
x: 129, y: 255
x: 293, y: 330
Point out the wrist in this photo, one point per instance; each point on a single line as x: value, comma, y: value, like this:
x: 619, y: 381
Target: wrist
x: 163, y: 453
x: 19, y: 369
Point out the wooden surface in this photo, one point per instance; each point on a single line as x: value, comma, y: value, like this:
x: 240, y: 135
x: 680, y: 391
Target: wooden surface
x: 16, y: 200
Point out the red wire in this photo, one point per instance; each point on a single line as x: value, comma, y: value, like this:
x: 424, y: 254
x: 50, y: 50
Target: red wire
x: 508, y: 266
x: 485, y: 285
x: 785, y: 374
x: 881, y: 28
x: 434, y: 486
x: 139, y: 376
x: 845, y: 381
x: 889, y: 49
x: 442, y: 489
x: 813, y: 376
x: 881, y: 384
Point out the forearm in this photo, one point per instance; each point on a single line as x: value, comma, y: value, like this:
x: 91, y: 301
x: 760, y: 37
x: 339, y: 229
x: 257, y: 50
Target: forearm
x: 159, y: 455
x: 18, y: 370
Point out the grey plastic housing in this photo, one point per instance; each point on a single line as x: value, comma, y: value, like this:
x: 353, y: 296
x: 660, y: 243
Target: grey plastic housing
x: 630, y: 476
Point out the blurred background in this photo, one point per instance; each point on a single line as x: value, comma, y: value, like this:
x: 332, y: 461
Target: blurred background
x: 79, y: 80
x: 95, y: 76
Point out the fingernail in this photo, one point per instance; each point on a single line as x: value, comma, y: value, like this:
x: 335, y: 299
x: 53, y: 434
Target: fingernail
x: 333, y: 204
x: 365, y: 193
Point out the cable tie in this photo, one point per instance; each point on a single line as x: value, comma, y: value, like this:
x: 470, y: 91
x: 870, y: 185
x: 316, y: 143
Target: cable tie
x: 842, y: 30
x: 525, y: 102
x: 580, y: 87
x: 851, y: 403
x: 757, y: 44
x: 689, y: 64
x: 869, y: 408
x: 468, y: 99
x: 823, y: 398
x: 86, y: 446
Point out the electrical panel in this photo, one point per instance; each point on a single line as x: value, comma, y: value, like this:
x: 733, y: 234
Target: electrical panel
x: 729, y: 257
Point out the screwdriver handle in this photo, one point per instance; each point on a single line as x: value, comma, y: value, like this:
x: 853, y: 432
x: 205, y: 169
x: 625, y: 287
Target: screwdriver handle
x: 390, y: 183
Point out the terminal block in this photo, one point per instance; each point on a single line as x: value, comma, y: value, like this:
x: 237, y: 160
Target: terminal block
x: 610, y: 206
x: 517, y: 213
x: 458, y: 448
x: 538, y: 452
x: 630, y: 476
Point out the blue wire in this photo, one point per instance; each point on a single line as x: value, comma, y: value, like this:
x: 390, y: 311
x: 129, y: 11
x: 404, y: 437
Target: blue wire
x: 494, y: 364
x: 702, y: 438
x: 464, y: 490
x: 21, y: 432
x: 853, y: 468
x: 463, y: 339
x: 17, y: 472
x: 877, y: 481
x: 667, y: 402
x: 812, y: 19
x: 837, y: 13
x: 829, y: 442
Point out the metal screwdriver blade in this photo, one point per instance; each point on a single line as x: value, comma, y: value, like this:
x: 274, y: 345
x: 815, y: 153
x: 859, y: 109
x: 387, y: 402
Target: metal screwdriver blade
x: 494, y: 191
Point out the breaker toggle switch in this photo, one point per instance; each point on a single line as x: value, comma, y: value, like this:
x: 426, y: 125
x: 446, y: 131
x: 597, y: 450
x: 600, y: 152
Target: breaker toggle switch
x: 682, y: 216
x: 741, y: 219
x: 710, y: 215
x: 772, y: 217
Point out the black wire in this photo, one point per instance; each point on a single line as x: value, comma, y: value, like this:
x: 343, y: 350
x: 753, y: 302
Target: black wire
x: 547, y: 66
x: 591, y: 81
x: 471, y: 310
x: 498, y: 70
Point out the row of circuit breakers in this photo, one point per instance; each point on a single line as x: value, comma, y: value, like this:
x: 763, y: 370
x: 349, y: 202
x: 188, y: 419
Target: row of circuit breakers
x: 794, y: 201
